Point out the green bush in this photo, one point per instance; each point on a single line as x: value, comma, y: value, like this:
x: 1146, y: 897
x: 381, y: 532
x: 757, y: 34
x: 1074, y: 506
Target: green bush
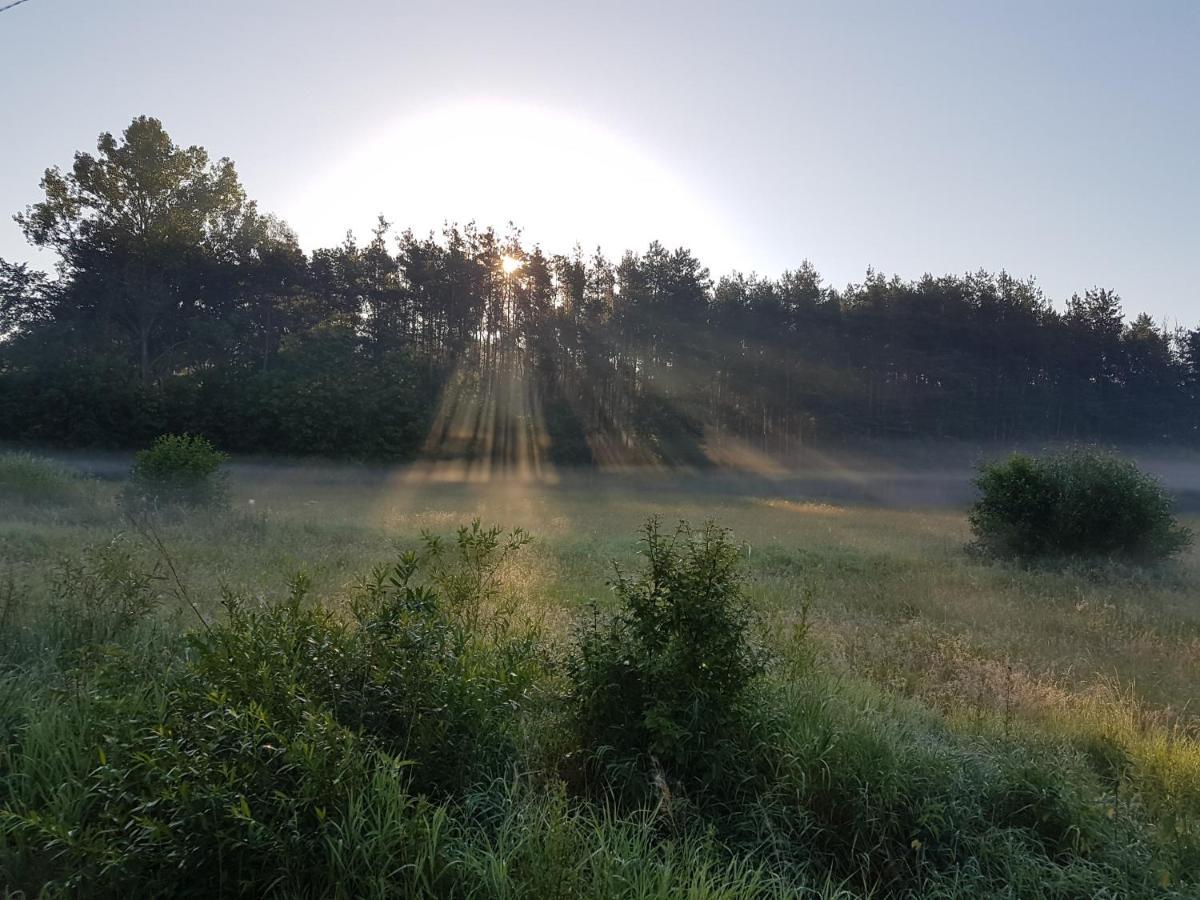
x: 1078, y: 503
x: 178, y: 468
x: 419, y: 669
x: 664, y: 681
x: 101, y: 598
x: 290, y: 751
x: 182, y: 790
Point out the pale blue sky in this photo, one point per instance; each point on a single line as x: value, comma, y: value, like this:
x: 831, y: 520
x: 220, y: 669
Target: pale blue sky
x: 1054, y: 139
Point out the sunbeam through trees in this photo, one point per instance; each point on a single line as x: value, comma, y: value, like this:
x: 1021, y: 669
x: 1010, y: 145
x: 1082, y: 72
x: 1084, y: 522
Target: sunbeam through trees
x: 179, y: 307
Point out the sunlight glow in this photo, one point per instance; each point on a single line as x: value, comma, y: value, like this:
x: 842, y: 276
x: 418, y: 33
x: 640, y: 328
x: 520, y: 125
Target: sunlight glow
x: 560, y: 178
x: 510, y: 264
x: 487, y: 429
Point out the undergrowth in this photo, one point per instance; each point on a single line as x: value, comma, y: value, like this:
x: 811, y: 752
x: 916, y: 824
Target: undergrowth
x: 25, y: 478
x: 425, y: 738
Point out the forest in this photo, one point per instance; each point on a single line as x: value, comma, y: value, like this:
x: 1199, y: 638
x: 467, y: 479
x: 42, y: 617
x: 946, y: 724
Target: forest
x: 177, y: 306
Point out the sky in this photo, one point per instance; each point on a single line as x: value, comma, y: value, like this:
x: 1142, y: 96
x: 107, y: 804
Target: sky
x: 1059, y: 140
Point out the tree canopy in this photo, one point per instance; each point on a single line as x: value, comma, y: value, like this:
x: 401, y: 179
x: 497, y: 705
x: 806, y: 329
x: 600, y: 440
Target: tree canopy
x: 178, y: 306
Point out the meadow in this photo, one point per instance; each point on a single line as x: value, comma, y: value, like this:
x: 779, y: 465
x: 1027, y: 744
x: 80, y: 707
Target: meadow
x: 931, y: 723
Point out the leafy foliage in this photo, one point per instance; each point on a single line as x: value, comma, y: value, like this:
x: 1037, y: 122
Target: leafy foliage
x: 395, y: 745
x: 1074, y: 504
x: 420, y: 670
x: 666, y: 677
x: 243, y: 769
x: 101, y: 597
x: 204, y: 315
x: 179, y: 468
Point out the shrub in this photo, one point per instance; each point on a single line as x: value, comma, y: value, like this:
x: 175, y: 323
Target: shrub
x: 383, y: 750
x: 664, y: 680
x: 289, y: 751
x: 1074, y: 504
x: 419, y: 669
x: 100, y: 598
x: 468, y: 571
x: 179, y: 468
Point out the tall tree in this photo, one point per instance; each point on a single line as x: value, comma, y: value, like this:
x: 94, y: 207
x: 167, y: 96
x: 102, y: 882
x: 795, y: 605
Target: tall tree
x: 143, y: 230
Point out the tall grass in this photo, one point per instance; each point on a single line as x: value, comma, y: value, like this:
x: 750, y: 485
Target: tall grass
x: 25, y: 478
x: 411, y: 742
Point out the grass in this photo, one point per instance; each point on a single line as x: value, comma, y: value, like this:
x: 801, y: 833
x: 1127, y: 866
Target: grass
x: 933, y: 724
x: 25, y: 478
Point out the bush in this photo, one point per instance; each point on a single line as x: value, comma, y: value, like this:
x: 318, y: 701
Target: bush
x: 664, y: 680
x: 1074, y: 504
x: 290, y: 752
x: 419, y: 670
x: 185, y: 791
x: 179, y: 468
x: 100, y: 598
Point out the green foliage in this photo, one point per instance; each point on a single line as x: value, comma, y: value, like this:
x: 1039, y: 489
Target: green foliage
x: 420, y: 669
x: 255, y: 763
x: 321, y: 397
x: 191, y: 212
x: 185, y: 791
x: 389, y: 746
x: 348, y: 351
x: 100, y: 598
x: 324, y: 396
x: 33, y: 479
x: 892, y: 801
x: 537, y: 843
x: 666, y: 677
x: 49, y: 396
x: 1074, y: 504
x: 179, y: 468
x: 468, y: 571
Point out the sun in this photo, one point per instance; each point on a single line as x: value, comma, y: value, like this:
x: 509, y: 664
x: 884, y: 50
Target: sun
x: 560, y: 178
x: 510, y: 264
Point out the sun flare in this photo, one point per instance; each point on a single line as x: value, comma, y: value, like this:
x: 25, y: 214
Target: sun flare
x: 560, y: 178
x: 510, y: 264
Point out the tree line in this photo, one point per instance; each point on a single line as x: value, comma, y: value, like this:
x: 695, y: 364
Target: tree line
x: 178, y: 306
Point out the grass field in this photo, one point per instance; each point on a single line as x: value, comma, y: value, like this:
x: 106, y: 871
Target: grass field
x: 931, y: 675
